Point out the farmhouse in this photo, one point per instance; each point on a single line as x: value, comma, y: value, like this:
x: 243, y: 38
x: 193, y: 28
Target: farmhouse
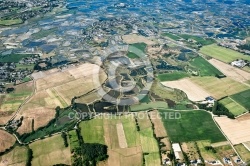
x: 239, y: 63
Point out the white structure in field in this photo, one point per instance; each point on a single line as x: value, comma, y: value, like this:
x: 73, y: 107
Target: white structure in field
x: 177, y: 151
x: 239, y: 63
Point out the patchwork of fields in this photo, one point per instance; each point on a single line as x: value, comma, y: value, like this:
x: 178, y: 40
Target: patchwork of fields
x: 219, y: 88
x: 124, y: 147
x: 50, y: 151
x: 233, y: 106
x: 57, y: 88
x: 12, y: 101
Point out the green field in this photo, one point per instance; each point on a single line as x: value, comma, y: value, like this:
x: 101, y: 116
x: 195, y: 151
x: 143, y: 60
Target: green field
x: 14, y: 99
x: 233, y: 106
x: 92, y: 131
x: 17, y: 156
x: 192, y: 126
x: 131, y: 133
x: 23, y: 67
x: 198, y: 39
x: 171, y: 36
x: 152, y: 159
x: 204, y: 67
x: 11, y: 22
x: 132, y: 55
x: 224, y: 54
x: 148, y: 142
x: 136, y: 50
x: 13, y: 57
x: 50, y: 151
x: 243, y: 98
x: 243, y: 152
x: 172, y: 76
x: 73, y: 140
x: 43, y: 33
x: 148, y: 106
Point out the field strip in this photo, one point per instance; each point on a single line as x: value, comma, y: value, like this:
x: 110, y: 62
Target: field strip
x: 247, y: 147
x: 230, y: 71
x: 63, y: 102
x: 237, y: 103
x: 218, y: 144
x: 121, y: 136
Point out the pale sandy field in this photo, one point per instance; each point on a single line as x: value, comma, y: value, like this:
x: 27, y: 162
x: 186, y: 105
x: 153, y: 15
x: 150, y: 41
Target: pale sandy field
x: 230, y: 71
x: 237, y: 131
x: 193, y: 91
x: 133, y: 38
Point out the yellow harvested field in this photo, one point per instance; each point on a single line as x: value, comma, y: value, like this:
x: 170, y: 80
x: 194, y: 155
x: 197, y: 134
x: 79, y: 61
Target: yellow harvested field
x: 89, y: 98
x: 133, y: 38
x: 6, y: 140
x: 16, y: 157
x: 230, y: 71
x: 194, y: 92
x: 50, y: 151
x: 236, y: 130
x: 218, y: 88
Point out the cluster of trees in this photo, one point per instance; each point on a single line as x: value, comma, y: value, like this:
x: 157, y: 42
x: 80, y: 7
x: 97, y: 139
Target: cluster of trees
x: 88, y: 154
x: 220, y: 109
x: 244, y: 47
x: 30, y: 157
x: 64, y: 136
x: 207, y: 148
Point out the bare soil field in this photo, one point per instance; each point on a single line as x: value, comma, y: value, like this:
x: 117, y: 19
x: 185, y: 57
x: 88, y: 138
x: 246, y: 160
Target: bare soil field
x: 230, y: 71
x: 219, y: 88
x: 121, y: 136
x: 130, y: 39
x: 190, y: 149
x: 194, y: 92
x: 235, y: 129
x: 159, y: 129
x: 6, y: 140
x: 244, y: 117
